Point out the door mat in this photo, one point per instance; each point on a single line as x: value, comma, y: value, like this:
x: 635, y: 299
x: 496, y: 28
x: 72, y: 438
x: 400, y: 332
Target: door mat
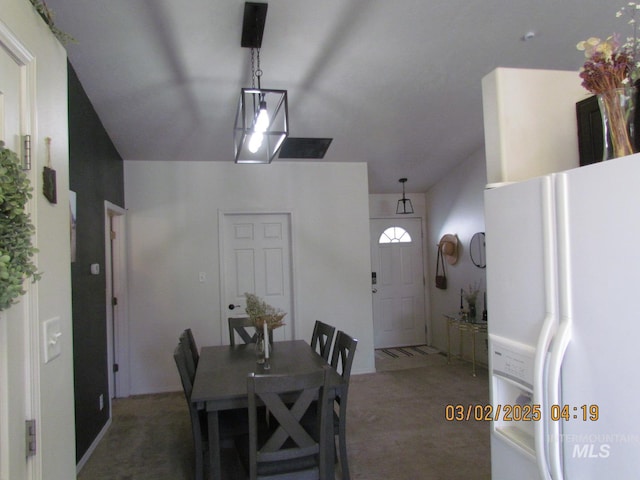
x: 404, y: 352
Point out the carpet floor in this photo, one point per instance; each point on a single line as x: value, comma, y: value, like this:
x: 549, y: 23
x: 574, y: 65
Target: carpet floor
x: 397, y: 428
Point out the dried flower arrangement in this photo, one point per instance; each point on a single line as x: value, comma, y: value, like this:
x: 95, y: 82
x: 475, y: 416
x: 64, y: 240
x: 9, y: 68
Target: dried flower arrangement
x: 259, y: 311
x: 611, y: 63
x: 471, y: 294
x: 611, y: 71
x: 608, y: 64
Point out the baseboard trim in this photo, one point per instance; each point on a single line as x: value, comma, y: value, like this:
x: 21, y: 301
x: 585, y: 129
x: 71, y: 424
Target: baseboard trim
x: 363, y: 371
x: 93, y: 446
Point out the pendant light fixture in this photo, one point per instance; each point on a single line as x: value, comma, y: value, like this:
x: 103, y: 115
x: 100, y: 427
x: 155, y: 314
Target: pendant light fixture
x: 262, y: 123
x: 404, y: 204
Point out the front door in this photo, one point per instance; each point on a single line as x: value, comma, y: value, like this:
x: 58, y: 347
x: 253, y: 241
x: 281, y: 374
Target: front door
x: 257, y: 259
x: 397, y: 282
x: 16, y: 367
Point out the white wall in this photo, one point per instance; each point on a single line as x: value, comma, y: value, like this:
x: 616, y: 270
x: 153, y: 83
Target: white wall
x: 523, y: 106
x: 53, y: 388
x: 455, y: 205
x: 173, y: 234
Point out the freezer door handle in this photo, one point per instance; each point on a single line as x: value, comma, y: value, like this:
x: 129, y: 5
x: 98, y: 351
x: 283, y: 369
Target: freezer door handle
x: 539, y: 392
x: 549, y: 326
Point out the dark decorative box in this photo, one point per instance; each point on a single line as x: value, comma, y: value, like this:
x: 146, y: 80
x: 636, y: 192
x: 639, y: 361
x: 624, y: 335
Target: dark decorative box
x: 590, y: 130
x: 590, y: 141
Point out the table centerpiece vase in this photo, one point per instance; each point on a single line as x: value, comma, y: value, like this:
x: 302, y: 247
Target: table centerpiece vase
x: 259, y: 346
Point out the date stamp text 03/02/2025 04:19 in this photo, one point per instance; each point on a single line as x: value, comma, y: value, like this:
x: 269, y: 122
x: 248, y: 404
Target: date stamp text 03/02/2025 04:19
x: 520, y: 413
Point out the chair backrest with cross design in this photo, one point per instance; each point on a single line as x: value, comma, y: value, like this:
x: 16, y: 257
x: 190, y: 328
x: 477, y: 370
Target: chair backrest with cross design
x: 322, y: 338
x: 287, y: 446
x: 245, y: 329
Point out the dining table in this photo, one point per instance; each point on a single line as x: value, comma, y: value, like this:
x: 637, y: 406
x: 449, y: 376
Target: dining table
x: 221, y: 384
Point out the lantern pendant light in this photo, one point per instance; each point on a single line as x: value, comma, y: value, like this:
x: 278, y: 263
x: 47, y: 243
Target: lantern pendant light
x: 404, y: 204
x: 262, y: 123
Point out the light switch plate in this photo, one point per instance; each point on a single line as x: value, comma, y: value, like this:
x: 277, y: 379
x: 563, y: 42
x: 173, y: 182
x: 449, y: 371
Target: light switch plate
x: 52, y: 338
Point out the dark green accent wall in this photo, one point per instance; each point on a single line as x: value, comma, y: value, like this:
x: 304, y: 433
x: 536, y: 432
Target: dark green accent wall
x: 96, y: 174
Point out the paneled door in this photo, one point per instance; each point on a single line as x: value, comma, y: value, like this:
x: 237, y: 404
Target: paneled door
x: 257, y: 259
x: 397, y: 282
x: 17, y: 324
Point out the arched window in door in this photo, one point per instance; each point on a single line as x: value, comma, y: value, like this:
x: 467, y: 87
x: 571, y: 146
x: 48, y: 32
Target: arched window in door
x: 395, y: 235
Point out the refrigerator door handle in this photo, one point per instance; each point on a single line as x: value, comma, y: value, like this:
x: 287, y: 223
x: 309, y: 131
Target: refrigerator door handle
x: 563, y: 336
x: 553, y: 383
x: 539, y: 396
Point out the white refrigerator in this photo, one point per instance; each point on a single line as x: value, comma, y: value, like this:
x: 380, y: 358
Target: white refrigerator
x: 563, y: 295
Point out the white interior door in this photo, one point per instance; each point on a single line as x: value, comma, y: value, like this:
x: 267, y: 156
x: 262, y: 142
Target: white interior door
x: 16, y: 367
x: 257, y: 259
x: 397, y: 282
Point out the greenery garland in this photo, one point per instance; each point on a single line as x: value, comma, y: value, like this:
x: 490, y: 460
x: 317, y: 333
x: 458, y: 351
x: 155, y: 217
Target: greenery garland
x: 16, y: 230
x: 47, y: 15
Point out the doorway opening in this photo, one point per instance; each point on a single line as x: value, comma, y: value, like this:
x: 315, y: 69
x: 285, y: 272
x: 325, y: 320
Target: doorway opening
x: 117, y: 301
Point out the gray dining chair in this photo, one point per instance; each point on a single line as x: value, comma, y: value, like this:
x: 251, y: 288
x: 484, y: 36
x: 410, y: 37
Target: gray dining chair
x: 284, y: 447
x: 198, y: 419
x: 245, y: 329
x: 189, y: 343
x: 322, y: 338
x: 344, y: 349
x: 232, y: 423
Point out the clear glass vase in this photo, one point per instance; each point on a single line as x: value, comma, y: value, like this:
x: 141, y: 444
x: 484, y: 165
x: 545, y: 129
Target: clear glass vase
x: 618, y: 111
x: 472, y: 309
x: 259, y: 347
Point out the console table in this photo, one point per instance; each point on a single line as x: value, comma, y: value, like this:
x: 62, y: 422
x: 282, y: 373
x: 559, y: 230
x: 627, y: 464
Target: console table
x: 464, y: 325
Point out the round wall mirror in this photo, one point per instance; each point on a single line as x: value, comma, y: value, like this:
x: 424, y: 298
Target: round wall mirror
x: 476, y: 250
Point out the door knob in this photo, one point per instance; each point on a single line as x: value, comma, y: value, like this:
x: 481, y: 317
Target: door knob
x: 374, y: 290
x: 232, y: 306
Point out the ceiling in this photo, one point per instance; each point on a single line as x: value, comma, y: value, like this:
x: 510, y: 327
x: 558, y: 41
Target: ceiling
x: 396, y: 84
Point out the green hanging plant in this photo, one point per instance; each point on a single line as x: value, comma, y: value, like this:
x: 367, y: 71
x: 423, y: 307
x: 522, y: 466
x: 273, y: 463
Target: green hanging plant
x: 16, y: 230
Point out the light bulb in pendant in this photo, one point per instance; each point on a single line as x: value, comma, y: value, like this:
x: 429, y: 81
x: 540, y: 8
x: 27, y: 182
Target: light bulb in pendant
x: 262, y: 120
x: 255, y: 142
x: 259, y: 127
